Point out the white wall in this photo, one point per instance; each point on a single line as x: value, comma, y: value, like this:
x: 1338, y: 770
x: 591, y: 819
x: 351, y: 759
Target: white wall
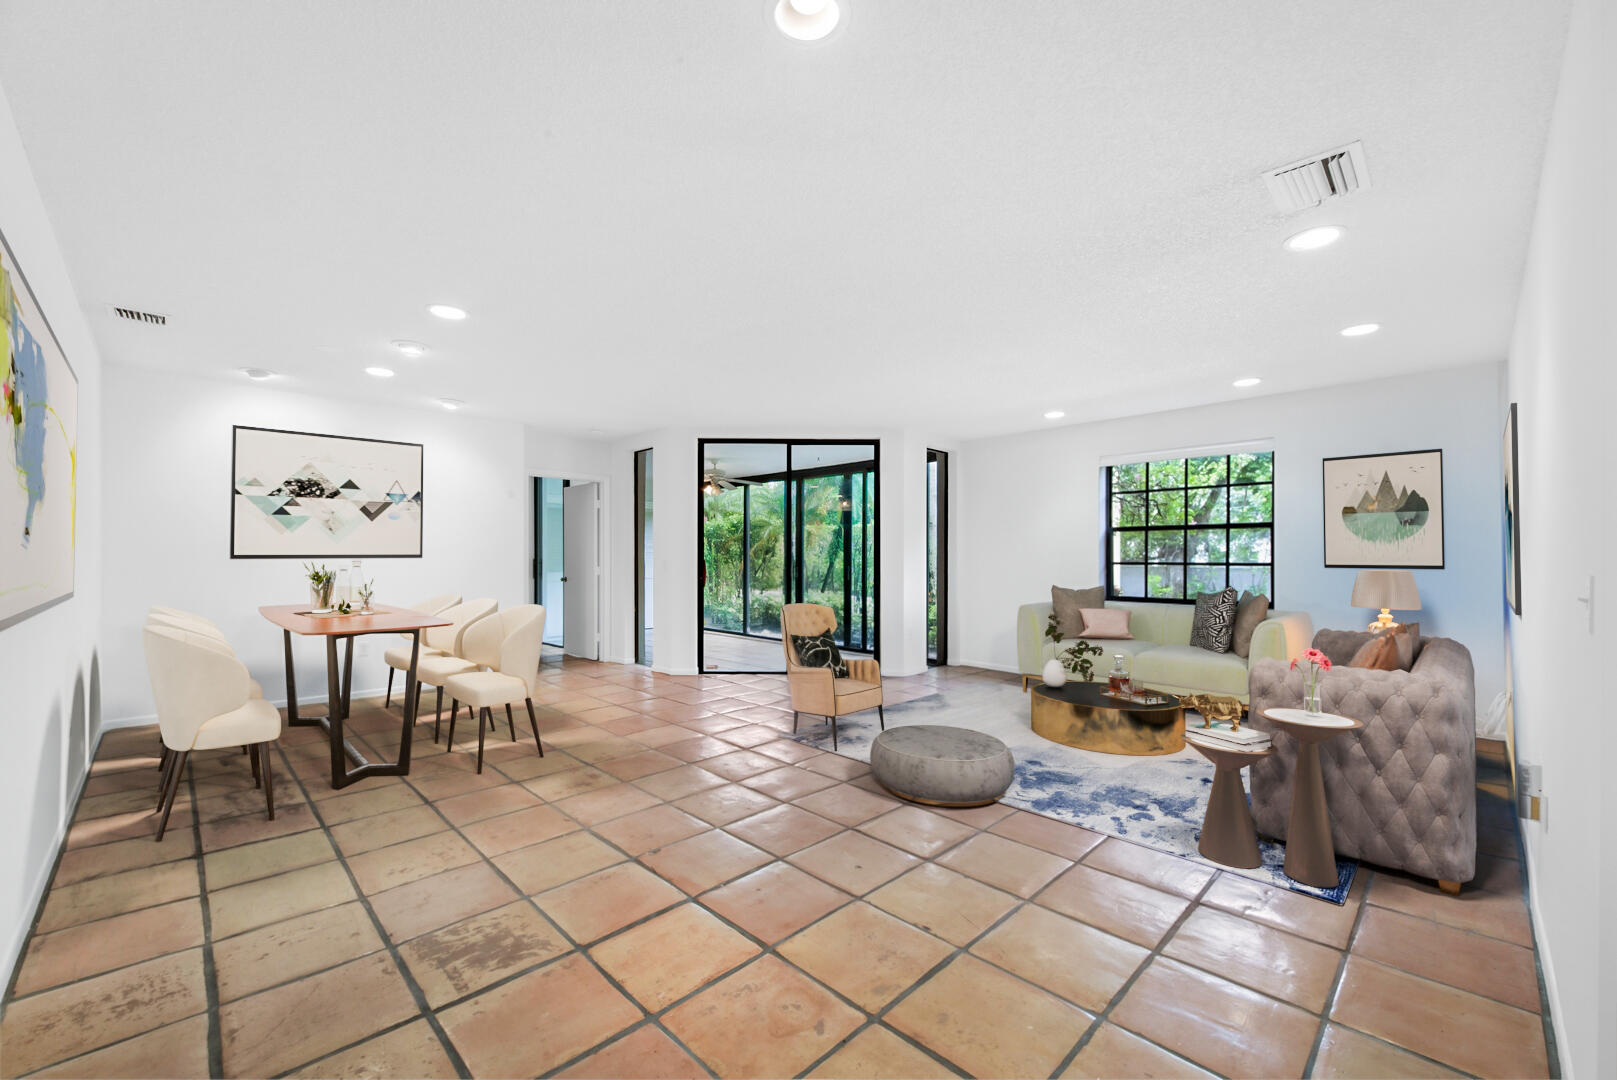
x: 1560, y: 373
x: 173, y: 440
x: 1027, y: 511
x: 49, y: 669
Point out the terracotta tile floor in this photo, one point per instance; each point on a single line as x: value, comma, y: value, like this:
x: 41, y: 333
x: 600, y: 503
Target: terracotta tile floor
x: 676, y: 890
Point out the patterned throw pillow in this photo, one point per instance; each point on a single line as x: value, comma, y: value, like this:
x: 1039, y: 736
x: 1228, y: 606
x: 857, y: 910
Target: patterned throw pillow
x: 1214, y: 626
x: 820, y: 650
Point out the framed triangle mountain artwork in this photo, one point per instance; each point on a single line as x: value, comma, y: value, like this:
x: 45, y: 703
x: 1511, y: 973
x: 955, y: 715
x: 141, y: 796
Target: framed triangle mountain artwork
x: 1384, y: 510
x: 298, y: 495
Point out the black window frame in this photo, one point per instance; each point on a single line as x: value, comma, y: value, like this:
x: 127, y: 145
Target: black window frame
x: 1109, y: 529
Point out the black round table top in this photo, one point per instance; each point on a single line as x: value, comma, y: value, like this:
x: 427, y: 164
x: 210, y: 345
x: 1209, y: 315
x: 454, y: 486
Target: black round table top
x: 1093, y: 695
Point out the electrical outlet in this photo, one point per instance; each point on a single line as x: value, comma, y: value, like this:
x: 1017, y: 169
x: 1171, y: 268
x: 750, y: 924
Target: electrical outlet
x: 1530, y: 801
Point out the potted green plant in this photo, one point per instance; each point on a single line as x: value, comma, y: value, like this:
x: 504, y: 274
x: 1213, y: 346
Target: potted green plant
x: 321, y: 580
x: 366, y: 591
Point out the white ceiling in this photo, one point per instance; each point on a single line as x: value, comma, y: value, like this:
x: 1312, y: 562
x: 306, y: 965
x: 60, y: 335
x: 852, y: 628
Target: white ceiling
x: 949, y: 214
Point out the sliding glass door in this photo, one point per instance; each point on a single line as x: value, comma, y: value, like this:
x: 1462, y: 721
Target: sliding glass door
x: 549, y: 530
x: 782, y: 523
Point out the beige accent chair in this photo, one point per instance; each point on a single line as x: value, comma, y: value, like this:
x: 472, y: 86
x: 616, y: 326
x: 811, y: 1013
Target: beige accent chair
x: 442, y: 655
x: 434, y: 606
x: 508, y: 646
x: 176, y: 619
x: 203, y: 703
x: 815, y: 689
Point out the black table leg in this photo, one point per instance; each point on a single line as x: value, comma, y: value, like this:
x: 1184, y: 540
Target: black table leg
x: 334, y: 713
x: 412, y: 703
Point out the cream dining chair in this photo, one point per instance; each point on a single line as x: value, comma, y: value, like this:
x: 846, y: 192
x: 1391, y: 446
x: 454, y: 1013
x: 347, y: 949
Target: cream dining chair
x: 197, y: 624
x: 433, y: 606
x: 816, y: 689
x: 203, y: 703
x: 508, y: 646
x: 443, y: 655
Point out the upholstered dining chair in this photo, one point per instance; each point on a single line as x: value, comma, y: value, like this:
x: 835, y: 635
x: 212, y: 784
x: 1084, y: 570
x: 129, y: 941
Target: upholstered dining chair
x: 815, y: 689
x: 190, y: 622
x: 442, y: 656
x: 508, y: 646
x: 432, y: 606
x: 203, y: 703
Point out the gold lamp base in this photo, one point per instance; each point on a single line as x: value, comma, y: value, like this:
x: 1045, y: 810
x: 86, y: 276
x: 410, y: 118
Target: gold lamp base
x: 1384, y: 622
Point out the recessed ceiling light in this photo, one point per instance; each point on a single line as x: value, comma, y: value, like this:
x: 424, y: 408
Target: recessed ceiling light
x: 1251, y: 380
x: 1315, y: 238
x: 450, y: 403
x: 380, y: 372
x: 807, y: 20
x: 257, y: 373
x: 447, y: 311
x: 1054, y: 414
x: 1361, y: 329
x: 410, y: 348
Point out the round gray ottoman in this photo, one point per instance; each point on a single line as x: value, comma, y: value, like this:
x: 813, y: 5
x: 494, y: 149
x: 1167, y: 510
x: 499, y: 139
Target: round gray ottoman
x: 941, y: 766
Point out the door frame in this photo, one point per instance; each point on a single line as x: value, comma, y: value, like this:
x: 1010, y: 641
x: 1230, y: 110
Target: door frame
x: 536, y: 566
x: 639, y: 486
x: 790, y: 531
x: 941, y: 457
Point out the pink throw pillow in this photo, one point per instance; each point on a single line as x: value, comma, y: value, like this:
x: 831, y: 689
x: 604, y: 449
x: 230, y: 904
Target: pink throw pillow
x: 1106, y: 623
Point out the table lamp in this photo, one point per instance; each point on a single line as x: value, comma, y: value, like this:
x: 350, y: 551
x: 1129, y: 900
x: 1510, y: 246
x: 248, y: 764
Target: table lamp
x: 1385, y: 589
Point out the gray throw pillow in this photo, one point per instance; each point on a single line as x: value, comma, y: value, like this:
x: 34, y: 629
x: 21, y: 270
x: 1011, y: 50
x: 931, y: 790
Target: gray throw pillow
x: 1214, y: 626
x: 820, y: 650
x: 1250, y: 610
x: 1069, y: 605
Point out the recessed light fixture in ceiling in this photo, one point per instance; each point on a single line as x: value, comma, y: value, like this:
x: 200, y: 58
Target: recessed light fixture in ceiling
x: 807, y: 20
x: 410, y: 348
x: 380, y: 372
x: 1313, y: 239
x: 1250, y: 380
x: 447, y: 311
x: 258, y: 374
x: 1360, y: 330
x: 1054, y: 414
x: 450, y: 403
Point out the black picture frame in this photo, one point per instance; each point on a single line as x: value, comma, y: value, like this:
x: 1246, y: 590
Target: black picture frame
x: 1512, y: 509
x: 421, y: 466
x: 1326, y: 509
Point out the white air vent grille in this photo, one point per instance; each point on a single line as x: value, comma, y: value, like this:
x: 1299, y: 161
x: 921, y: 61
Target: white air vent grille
x: 1311, y: 181
x: 149, y: 318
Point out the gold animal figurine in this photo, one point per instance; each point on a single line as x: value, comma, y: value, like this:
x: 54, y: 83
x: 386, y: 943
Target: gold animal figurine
x: 1215, y: 707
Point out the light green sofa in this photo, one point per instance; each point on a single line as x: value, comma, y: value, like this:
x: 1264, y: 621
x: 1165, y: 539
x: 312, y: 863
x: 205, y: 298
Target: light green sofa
x: 1160, y: 653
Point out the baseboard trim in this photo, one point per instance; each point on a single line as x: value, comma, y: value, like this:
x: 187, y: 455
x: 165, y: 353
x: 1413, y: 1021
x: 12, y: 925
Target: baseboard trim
x: 1546, y: 963
x: 987, y: 665
x: 38, y: 890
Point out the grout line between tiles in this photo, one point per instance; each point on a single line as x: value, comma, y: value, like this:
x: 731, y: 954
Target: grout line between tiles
x: 1336, y: 980
x: 210, y: 974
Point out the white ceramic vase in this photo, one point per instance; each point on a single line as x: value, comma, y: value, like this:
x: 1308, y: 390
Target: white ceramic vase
x: 1054, y: 673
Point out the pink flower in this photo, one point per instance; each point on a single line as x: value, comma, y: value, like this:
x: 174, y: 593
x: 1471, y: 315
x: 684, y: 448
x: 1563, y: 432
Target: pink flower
x: 1314, y: 656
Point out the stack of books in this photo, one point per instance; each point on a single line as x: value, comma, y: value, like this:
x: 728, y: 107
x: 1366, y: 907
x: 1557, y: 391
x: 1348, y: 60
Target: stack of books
x: 1220, y: 731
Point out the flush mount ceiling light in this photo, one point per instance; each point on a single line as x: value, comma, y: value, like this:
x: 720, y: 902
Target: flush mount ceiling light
x: 1251, y: 380
x: 447, y: 311
x: 1315, y: 238
x: 380, y: 372
x: 807, y: 20
x: 257, y: 373
x: 450, y: 403
x: 1054, y: 414
x: 410, y: 348
x: 1360, y: 330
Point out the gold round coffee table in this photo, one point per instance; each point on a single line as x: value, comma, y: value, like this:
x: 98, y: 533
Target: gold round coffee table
x: 1082, y: 715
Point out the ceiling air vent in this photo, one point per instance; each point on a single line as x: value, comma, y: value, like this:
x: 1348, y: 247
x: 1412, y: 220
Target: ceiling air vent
x: 147, y: 317
x: 1313, y: 180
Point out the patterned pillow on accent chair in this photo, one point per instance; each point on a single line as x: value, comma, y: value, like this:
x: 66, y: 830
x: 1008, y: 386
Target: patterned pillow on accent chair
x: 1214, y: 625
x: 820, y: 650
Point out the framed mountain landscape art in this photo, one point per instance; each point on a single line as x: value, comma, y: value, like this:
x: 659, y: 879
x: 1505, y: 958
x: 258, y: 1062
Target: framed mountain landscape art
x: 1385, y: 510
x: 296, y: 495
x: 39, y: 423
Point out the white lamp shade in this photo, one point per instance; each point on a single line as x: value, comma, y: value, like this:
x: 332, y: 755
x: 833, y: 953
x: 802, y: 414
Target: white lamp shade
x: 1391, y: 589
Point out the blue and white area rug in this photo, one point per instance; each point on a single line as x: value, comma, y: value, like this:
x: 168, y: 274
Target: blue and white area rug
x: 1155, y: 801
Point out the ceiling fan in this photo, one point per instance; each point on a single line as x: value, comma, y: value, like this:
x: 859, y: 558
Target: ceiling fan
x: 714, y: 480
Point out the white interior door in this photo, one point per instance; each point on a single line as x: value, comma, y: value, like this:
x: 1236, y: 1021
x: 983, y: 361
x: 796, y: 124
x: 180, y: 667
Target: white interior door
x: 581, y: 585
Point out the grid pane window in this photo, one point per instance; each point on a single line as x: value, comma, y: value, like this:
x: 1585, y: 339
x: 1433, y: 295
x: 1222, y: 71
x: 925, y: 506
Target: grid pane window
x: 1184, y: 526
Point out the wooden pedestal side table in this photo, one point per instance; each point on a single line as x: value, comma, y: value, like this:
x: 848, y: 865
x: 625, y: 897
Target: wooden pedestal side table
x: 1228, y: 836
x: 1310, y: 854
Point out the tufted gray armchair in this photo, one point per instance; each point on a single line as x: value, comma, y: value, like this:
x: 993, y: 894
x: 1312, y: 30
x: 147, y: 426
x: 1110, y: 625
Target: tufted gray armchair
x: 1402, y: 790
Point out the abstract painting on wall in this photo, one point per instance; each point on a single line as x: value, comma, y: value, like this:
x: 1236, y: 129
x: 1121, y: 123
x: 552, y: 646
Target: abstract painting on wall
x: 296, y: 495
x: 39, y: 397
x: 1513, y: 521
x: 1385, y: 510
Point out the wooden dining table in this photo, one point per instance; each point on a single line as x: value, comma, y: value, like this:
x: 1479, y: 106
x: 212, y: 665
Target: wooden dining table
x: 348, y: 764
